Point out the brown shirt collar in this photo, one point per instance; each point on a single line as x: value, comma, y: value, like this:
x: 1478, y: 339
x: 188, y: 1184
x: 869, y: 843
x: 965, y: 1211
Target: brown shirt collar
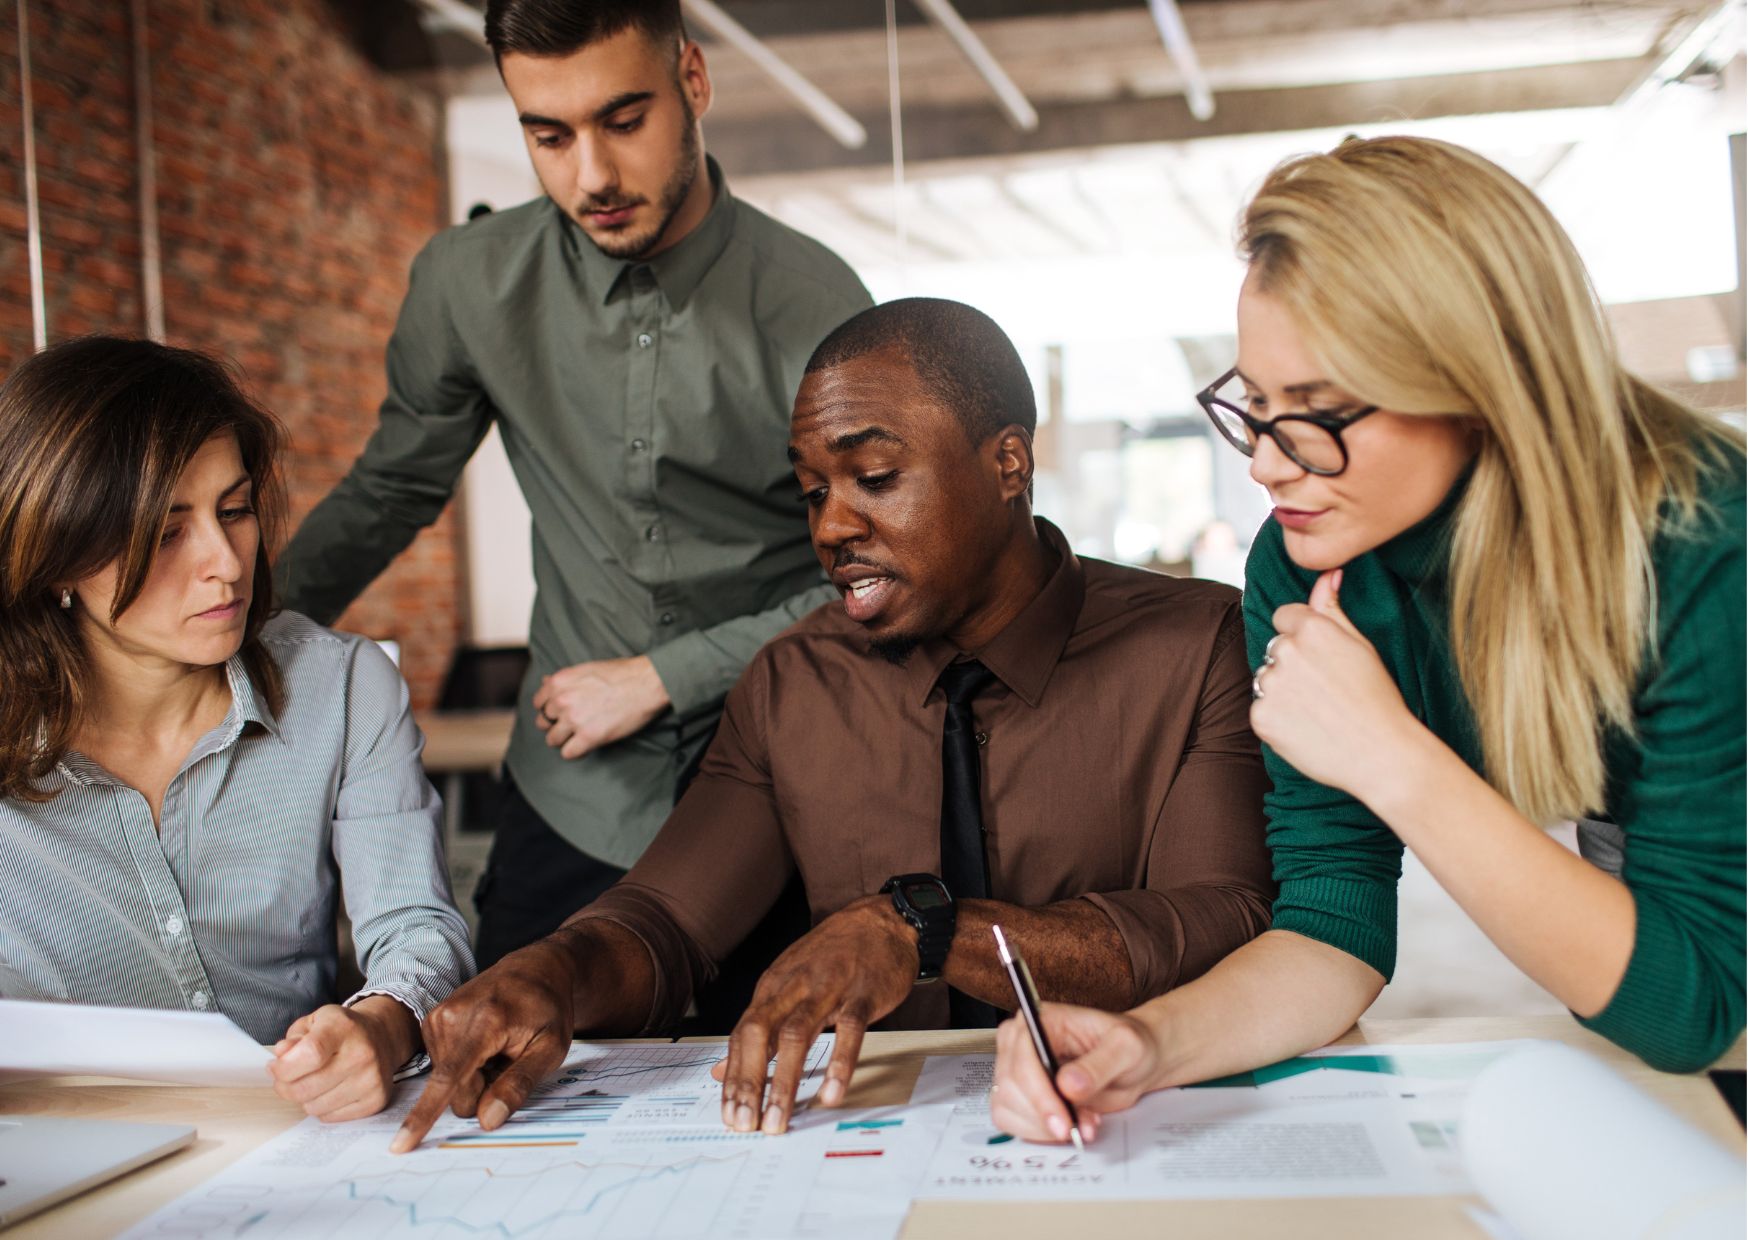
x: 1024, y: 654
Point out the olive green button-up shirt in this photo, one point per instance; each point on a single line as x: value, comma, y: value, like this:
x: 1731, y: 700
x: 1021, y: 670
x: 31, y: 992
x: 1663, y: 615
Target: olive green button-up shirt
x: 644, y: 407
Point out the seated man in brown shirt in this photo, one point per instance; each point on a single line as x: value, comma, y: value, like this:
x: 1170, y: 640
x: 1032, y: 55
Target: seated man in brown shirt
x: 1064, y: 742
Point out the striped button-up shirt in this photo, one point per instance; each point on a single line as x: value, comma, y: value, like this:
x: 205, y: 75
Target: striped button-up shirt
x: 228, y: 904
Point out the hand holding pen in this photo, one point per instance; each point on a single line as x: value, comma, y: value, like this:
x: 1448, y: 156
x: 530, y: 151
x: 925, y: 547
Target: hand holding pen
x: 1026, y: 991
x: 1102, y: 1062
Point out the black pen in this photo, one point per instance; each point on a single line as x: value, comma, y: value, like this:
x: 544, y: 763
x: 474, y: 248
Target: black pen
x: 1026, y: 991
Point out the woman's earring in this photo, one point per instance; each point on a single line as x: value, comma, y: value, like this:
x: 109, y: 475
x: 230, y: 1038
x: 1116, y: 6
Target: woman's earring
x: 66, y: 599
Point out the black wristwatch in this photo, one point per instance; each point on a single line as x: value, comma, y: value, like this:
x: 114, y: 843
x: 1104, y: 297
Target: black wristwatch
x: 924, y: 901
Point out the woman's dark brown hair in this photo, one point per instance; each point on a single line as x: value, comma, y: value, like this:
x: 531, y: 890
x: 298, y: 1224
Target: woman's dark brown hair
x: 94, y: 435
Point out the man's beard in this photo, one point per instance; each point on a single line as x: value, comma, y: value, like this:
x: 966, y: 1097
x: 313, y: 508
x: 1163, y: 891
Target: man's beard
x: 673, y: 197
x: 896, y: 649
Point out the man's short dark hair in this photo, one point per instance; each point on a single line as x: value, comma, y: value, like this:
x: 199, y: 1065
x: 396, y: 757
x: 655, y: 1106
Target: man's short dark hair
x: 560, y: 27
x: 962, y: 357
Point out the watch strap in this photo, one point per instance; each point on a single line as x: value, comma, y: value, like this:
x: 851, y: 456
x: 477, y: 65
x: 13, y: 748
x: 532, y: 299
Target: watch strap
x: 934, y: 927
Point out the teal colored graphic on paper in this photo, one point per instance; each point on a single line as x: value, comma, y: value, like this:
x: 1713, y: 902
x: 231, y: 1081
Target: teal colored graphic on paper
x: 1429, y: 1066
x: 862, y: 1125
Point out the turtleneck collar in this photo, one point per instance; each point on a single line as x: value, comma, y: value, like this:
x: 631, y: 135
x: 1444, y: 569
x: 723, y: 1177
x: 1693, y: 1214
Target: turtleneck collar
x: 1422, y: 551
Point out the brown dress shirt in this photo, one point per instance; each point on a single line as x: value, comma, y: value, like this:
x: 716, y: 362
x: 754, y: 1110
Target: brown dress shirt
x: 1118, y: 767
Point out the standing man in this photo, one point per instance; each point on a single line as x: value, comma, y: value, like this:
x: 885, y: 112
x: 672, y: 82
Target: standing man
x: 638, y: 336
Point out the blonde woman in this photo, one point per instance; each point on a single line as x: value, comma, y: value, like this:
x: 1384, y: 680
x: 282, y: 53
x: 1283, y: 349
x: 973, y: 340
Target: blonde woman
x: 1502, y: 587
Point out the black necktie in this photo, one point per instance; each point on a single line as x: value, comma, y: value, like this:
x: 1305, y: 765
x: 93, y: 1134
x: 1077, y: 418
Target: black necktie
x: 964, y: 868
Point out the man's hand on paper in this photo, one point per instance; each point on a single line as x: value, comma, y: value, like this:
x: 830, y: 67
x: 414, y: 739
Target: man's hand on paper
x: 339, y: 1063
x: 849, y: 971
x: 584, y: 707
x: 494, y: 1040
x: 1109, y: 1059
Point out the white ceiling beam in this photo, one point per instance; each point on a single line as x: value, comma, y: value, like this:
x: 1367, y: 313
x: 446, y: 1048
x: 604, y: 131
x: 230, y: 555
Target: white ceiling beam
x: 1013, y: 101
x: 454, y: 15
x: 815, y: 102
x: 1197, y: 93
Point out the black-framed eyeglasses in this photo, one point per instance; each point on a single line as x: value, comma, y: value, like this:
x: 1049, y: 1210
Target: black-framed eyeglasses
x: 1312, y: 441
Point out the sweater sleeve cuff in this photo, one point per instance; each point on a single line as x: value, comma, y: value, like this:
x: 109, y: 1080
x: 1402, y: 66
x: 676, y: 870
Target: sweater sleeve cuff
x: 1657, y: 1012
x: 1358, y: 918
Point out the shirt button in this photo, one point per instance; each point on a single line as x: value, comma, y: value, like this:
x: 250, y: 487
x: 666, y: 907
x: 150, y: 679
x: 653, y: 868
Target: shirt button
x: 653, y: 533
x: 200, y: 1000
x: 983, y: 738
x: 638, y: 445
x: 644, y: 340
x: 667, y: 617
x: 173, y: 926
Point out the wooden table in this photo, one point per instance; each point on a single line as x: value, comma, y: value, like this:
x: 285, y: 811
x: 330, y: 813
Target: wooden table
x: 232, y: 1122
x: 460, y: 741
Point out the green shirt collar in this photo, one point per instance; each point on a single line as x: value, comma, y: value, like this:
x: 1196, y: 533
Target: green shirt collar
x: 679, y: 269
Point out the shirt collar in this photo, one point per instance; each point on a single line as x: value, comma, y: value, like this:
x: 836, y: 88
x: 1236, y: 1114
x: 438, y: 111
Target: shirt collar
x: 1024, y: 654
x: 1422, y: 551
x: 246, y: 708
x: 677, y: 270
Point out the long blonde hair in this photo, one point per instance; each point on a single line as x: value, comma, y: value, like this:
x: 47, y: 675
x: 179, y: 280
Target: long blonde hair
x: 1428, y: 280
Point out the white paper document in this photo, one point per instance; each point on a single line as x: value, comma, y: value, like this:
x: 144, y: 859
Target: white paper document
x: 145, y: 1044
x: 1346, y: 1122
x: 624, y: 1141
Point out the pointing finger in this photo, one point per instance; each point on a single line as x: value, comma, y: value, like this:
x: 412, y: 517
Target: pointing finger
x: 424, y: 1113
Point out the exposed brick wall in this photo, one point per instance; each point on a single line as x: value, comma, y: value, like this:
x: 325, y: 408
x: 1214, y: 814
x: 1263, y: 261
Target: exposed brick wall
x: 295, y: 183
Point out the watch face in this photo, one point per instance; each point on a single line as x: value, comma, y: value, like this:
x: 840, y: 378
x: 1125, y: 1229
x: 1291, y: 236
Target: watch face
x: 926, y: 895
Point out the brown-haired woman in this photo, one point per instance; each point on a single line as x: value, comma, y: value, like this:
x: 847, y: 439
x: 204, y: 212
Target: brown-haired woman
x: 185, y: 778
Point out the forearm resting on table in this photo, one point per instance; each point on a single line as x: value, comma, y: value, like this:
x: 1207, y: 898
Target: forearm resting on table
x: 1073, y: 950
x: 613, y: 979
x: 1279, y: 995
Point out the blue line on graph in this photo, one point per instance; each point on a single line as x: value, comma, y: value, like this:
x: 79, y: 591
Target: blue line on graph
x: 512, y: 1138
x: 412, y: 1207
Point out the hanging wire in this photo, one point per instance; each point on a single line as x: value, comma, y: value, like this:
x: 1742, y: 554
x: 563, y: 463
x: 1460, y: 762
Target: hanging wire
x: 151, y: 260
x: 39, y: 319
x: 900, y: 216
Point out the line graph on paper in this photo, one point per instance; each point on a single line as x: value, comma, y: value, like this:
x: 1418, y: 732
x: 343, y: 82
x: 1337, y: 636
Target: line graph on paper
x: 623, y: 1141
x: 722, y: 1192
x: 610, y: 1086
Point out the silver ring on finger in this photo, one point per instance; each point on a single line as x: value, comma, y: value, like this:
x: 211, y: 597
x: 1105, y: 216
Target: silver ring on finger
x: 1268, y: 651
x: 1256, y: 683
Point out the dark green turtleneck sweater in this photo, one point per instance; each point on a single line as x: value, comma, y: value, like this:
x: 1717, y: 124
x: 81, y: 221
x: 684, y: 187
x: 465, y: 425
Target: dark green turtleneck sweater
x: 1676, y: 789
